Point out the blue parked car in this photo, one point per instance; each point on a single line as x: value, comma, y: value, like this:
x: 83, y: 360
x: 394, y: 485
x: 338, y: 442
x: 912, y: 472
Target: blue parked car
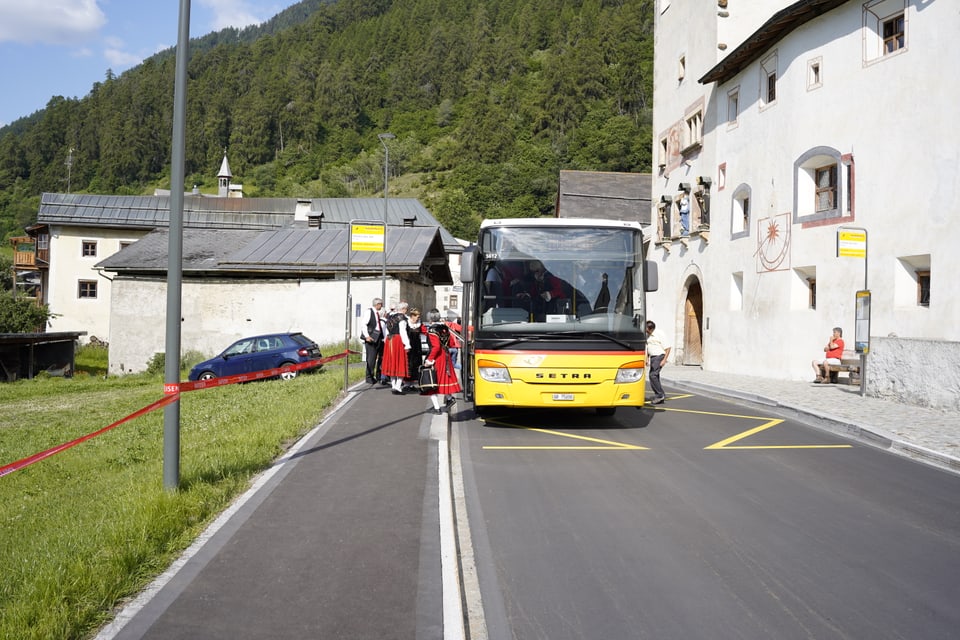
x: 259, y: 353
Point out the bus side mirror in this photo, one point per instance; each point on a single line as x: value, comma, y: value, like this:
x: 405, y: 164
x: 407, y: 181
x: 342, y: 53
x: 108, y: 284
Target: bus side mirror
x: 468, y: 263
x: 651, y: 276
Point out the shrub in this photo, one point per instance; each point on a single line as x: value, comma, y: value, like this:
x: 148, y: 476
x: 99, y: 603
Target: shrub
x: 157, y: 364
x: 21, y: 315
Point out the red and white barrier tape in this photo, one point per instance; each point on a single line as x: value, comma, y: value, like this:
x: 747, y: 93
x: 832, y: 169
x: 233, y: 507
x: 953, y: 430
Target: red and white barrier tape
x: 171, y: 393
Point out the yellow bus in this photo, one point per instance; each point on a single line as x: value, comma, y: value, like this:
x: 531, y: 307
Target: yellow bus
x: 555, y: 314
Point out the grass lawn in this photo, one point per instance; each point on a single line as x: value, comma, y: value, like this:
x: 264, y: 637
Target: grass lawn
x: 86, y: 529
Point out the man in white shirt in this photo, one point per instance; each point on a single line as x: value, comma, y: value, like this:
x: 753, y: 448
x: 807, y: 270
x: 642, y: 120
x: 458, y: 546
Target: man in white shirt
x: 658, y: 352
x: 371, y: 333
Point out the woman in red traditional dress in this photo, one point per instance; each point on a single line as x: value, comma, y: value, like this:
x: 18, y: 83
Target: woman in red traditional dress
x: 395, y: 348
x: 438, y: 337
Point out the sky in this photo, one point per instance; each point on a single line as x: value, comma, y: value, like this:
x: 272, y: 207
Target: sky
x: 62, y: 47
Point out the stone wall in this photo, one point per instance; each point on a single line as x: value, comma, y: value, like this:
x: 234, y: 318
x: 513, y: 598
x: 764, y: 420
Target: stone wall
x: 925, y: 373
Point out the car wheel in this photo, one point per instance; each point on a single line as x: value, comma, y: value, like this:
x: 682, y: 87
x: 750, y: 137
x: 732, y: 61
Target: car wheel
x: 288, y: 375
x: 206, y: 375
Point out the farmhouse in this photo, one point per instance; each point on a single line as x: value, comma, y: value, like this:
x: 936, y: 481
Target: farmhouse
x: 250, y: 265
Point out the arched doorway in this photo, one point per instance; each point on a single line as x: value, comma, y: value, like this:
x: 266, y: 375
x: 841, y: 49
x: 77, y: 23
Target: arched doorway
x: 693, y: 324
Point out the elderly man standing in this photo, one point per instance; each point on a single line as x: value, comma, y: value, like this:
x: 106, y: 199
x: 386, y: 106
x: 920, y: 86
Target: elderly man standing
x: 658, y: 352
x: 371, y: 333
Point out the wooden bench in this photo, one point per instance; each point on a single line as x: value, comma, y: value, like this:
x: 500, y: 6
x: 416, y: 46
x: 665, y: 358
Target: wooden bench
x: 850, y: 365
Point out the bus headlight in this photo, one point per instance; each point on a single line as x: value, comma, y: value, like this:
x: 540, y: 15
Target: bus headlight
x: 493, y: 371
x: 630, y: 372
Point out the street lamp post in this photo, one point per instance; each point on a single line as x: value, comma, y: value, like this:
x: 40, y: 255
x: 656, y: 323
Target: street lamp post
x: 386, y: 176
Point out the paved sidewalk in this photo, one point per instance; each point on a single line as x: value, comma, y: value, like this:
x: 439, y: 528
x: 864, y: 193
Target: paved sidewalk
x: 340, y: 538
x: 929, y: 435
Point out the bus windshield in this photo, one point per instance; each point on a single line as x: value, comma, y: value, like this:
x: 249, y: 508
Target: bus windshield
x: 550, y: 282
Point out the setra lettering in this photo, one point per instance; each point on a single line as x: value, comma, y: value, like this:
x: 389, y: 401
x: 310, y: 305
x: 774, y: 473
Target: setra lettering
x: 562, y: 376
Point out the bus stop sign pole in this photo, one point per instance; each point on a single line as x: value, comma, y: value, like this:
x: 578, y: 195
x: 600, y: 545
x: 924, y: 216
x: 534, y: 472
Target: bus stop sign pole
x: 365, y: 235
x: 852, y: 243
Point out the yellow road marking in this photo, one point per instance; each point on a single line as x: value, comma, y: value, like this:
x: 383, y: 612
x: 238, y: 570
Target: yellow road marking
x: 603, y: 445
x: 725, y: 444
x: 608, y: 445
x: 715, y: 413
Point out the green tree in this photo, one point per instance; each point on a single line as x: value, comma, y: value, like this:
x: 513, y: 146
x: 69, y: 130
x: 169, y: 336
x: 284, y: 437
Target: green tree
x: 21, y: 315
x: 6, y: 275
x: 453, y: 210
x: 298, y: 101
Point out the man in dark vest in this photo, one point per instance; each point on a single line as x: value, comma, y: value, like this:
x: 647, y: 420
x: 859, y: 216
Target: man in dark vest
x: 371, y: 333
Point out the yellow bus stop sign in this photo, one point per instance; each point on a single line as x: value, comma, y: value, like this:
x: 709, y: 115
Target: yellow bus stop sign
x: 367, y: 237
x: 851, y: 243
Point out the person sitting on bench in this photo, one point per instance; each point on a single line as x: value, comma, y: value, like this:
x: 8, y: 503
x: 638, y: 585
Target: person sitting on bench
x: 834, y: 352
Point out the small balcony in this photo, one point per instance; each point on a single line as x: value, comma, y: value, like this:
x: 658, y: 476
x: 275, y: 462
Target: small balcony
x: 29, y: 253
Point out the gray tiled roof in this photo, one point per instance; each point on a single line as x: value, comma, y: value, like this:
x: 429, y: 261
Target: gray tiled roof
x: 401, y: 212
x: 411, y: 251
x: 150, y: 212
x: 204, y: 212
x: 605, y: 194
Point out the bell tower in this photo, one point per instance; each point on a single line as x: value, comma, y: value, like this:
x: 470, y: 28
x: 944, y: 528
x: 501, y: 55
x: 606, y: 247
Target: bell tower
x: 224, y: 177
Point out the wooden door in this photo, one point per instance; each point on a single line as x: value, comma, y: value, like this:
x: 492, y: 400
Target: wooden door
x: 693, y: 326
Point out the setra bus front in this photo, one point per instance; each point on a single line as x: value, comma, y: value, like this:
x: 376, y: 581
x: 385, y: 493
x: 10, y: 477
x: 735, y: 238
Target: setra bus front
x: 557, y: 309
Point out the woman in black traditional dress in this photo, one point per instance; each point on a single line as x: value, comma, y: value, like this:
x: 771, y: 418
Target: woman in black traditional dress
x: 415, y: 355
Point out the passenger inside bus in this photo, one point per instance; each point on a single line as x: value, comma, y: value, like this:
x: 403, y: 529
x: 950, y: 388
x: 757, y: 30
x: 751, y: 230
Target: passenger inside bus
x: 530, y: 286
x: 539, y: 292
x: 603, y: 297
x: 501, y: 283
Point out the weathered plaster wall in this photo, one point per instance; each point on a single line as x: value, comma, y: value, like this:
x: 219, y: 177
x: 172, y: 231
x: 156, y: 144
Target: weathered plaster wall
x: 215, y: 313
x: 921, y: 372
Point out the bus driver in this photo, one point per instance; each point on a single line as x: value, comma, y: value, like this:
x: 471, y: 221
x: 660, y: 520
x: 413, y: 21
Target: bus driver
x: 538, y: 289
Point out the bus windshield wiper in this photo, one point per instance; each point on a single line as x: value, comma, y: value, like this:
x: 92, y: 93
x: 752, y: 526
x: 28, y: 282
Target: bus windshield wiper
x: 530, y: 337
x: 592, y: 334
x: 533, y: 337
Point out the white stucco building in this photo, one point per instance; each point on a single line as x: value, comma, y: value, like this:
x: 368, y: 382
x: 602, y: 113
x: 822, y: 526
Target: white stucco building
x: 779, y: 124
x: 82, y: 297
x: 250, y: 266
x: 81, y: 230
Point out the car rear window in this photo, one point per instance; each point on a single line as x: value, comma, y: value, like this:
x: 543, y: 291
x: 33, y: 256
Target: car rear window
x: 301, y: 340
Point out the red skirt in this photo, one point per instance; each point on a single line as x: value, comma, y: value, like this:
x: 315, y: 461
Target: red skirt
x: 446, y: 375
x: 394, y: 363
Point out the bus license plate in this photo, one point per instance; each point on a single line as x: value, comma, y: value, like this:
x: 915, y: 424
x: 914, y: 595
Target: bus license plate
x: 567, y: 397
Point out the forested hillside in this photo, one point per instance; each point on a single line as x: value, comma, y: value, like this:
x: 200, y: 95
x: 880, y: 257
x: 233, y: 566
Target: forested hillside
x: 488, y: 100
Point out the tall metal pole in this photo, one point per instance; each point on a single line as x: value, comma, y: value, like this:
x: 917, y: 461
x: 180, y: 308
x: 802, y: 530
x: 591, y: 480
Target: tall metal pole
x: 349, y: 310
x: 863, y: 356
x: 171, y: 368
x: 386, y: 179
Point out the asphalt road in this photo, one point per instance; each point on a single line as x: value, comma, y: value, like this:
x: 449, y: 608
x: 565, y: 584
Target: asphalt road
x: 704, y: 519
